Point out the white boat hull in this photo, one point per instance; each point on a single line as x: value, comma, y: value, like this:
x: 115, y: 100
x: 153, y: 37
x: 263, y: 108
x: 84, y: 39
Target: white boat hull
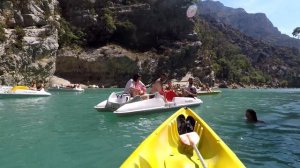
x: 101, y: 106
x: 24, y: 93
x: 157, y: 104
x: 213, y: 92
x: 114, y: 101
x: 123, y: 104
x: 64, y: 89
x: 4, y: 89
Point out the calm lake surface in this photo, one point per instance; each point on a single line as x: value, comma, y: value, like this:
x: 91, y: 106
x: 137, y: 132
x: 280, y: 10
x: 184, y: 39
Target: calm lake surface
x: 65, y: 131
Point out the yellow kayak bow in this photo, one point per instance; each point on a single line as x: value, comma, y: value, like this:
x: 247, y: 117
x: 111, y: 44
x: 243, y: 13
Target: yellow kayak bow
x: 164, y: 148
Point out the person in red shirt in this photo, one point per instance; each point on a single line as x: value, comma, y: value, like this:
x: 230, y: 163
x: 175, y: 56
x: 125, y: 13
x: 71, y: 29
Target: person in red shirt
x: 169, y: 93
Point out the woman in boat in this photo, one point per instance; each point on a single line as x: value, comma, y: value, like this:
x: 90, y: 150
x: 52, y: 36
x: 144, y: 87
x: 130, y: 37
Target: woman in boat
x: 135, y: 86
x: 33, y: 85
x: 251, y: 116
x: 40, y: 85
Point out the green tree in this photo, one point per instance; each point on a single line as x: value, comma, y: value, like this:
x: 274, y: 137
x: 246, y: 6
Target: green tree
x: 108, y: 21
x: 66, y: 35
x: 296, y: 32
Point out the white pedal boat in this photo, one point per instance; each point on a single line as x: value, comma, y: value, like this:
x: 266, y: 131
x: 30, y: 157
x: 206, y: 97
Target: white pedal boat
x: 4, y: 89
x: 123, y: 104
x: 204, y: 92
x: 23, y: 91
x: 66, y: 89
x: 114, y: 101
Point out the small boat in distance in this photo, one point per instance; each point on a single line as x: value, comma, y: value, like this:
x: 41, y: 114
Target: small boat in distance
x: 165, y: 146
x: 205, y: 92
x: 68, y: 88
x: 4, y: 88
x: 23, y: 91
x: 93, y: 86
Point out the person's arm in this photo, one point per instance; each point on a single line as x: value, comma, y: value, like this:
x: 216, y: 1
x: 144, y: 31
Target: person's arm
x: 154, y: 87
x: 194, y: 90
x: 143, y: 87
x: 128, y: 87
x: 188, y: 92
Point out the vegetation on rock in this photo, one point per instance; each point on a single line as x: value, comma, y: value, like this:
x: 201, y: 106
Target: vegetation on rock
x: 296, y: 32
x: 2, y: 33
x: 240, y: 59
x: 151, y: 36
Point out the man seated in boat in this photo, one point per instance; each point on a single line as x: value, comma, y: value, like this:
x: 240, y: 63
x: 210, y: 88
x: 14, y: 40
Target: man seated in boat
x: 135, y: 87
x: 157, y: 86
x: 190, y: 90
x: 33, y: 85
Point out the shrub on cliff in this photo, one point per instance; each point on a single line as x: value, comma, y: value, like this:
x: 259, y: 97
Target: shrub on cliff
x: 108, y: 21
x: 101, y: 33
x: 20, y: 33
x: 125, y: 33
x: 296, y: 32
x: 2, y: 34
x: 66, y: 36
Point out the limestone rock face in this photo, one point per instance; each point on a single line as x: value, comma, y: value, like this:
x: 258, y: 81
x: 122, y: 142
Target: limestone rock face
x: 108, y: 65
x: 113, y: 65
x: 57, y: 81
x: 104, y: 42
x: 29, y: 50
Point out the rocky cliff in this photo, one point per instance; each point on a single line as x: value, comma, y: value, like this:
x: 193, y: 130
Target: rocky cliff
x: 105, y: 42
x: 29, y: 40
x: 143, y: 33
x: 256, y: 25
x: 242, y: 59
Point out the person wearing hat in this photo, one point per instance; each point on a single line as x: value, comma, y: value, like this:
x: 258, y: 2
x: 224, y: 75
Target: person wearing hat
x: 190, y: 90
x: 135, y: 86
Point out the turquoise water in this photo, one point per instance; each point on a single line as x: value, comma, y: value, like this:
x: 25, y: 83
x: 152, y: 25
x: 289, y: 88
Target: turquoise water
x: 64, y: 130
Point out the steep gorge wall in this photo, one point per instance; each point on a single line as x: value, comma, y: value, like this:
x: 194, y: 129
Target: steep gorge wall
x: 71, y: 40
x: 148, y: 32
x: 29, y: 40
x: 105, y: 42
x: 256, y: 25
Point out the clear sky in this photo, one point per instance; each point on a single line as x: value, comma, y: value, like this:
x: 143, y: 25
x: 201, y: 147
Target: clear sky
x: 284, y: 14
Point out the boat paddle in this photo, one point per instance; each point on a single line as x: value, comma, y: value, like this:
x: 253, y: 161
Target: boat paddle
x: 192, y: 138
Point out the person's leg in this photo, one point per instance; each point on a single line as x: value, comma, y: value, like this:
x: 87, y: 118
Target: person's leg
x: 145, y: 96
x: 133, y: 92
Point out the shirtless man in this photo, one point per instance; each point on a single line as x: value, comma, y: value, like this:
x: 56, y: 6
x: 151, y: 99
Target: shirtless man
x: 157, y: 86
